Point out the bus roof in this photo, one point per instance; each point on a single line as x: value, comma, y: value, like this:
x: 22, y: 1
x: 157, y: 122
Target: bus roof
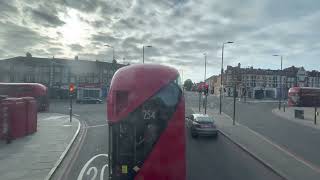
x: 301, y: 89
x: 40, y: 89
x: 138, y: 83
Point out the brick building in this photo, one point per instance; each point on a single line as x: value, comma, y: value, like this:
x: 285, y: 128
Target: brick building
x: 266, y: 83
x: 92, y: 78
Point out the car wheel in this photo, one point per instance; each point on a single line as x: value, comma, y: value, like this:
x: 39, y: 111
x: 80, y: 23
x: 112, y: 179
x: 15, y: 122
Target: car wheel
x: 194, y: 135
x: 216, y: 136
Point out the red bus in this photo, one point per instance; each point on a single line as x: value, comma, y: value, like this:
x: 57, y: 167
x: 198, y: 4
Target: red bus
x: 304, y: 97
x: 38, y: 91
x: 146, y: 118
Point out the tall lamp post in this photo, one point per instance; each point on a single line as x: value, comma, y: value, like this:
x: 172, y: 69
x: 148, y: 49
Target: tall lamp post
x: 221, y: 80
x: 280, y: 81
x: 112, y: 50
x: 143, y: 52
x: 205, y: 66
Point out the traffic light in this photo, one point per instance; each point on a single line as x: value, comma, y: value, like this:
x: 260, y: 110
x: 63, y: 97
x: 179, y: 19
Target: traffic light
x: 206, y: 90
x: 71, y: 88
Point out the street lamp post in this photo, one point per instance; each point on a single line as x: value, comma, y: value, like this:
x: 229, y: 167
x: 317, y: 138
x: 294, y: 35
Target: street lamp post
x: 279, y: 106
x: 205, y: 66
x: 221, y: 83
x: 143, y: 52
x: 205, y: 84
x: 112, y: 50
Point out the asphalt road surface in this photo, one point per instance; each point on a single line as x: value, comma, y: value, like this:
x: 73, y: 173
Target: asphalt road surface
x: 207, y: 158
x: 302, y: 141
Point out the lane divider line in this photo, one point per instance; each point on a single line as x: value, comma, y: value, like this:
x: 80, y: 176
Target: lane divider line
x: 256, y: 157
x: 100, y: 125
x: 76, y: 153
x: 285, y: 150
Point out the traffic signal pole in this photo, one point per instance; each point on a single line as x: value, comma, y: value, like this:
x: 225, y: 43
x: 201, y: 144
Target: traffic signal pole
x: 71, y: 92
x: 205, y: 106
x: 199, y: 101
x: 70, y: 107
x: 234, y: 105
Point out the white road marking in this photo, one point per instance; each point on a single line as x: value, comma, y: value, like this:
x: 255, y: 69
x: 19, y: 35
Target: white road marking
x: 296, y: 157
x: 102, y: 171
x: 100, y: 125
x: 77, y: 115
x: 54, y: 117
x: 92, y: 168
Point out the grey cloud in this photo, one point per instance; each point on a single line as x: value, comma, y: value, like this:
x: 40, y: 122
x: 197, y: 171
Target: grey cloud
x: 83, y: 5
x: 41, y: 53
x: 18, y: 39
x: 44, y: 17
x: 99, y: 23
x: 129, y: 23
x: 76, y: 47
x: 104, y: 38
x: 8, y: 6
x: 179, y: 31
x: 8, y: 10
x: 289, y: 9
x: 163, y: 41
x: 55, y: 50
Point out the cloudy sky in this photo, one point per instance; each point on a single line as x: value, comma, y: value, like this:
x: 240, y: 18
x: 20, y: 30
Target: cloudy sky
x: 180, y: 31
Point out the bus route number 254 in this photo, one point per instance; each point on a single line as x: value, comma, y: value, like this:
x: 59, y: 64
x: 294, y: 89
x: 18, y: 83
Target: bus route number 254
x: 149, y: 114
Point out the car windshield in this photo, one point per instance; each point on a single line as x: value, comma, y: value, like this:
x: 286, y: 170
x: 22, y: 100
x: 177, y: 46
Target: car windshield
x: 159, y: 89
x: 204, y: 119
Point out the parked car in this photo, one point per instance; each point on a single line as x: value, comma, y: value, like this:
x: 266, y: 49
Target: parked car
x: 201, y: 125
x: 89, y: 100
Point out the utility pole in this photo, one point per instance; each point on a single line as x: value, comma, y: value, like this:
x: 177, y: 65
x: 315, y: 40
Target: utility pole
x: 205, y: 84
x: 280, y: 82
x: 143, y: 52
x: 205, y: 67
x: 221, y: 80
x: 199, y: 100
x: 234, y: 105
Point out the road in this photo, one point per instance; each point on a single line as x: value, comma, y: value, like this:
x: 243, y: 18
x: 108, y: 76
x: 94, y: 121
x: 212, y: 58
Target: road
x: 92, y: 140
x: 301, y: 141
x: 206, y: 158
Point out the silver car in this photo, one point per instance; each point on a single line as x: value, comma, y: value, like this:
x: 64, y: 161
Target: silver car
x: 201, y: 125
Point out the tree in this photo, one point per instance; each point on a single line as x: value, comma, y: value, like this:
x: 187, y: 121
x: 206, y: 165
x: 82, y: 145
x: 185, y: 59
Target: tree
x: 188, y: 84
x: 28, y: 54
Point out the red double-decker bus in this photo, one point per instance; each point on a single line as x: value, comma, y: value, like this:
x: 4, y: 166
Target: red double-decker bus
x: 38, y: 91
x: 146, y: 117
x: 304, y: 97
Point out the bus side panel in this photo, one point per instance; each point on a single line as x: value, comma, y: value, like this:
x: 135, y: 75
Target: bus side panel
x: 168, y: 158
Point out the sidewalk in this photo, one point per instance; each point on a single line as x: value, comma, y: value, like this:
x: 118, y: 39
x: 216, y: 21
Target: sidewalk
x: 308, y: 116
x: 36, y: 156
x: 270, y: 154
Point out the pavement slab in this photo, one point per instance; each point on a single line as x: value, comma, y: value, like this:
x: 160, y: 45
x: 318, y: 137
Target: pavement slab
x: 308, y: 121
x: 34, y: 156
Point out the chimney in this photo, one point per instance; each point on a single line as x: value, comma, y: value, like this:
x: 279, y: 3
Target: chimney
x: 239, y: 65
x: 76, y: 58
